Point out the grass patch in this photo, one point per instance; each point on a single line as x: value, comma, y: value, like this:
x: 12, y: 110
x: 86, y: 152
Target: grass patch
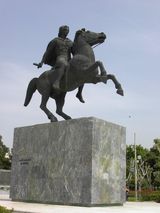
x: 5, y: 210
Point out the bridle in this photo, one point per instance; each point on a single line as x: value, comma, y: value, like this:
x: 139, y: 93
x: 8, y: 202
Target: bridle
x: 93, y: 40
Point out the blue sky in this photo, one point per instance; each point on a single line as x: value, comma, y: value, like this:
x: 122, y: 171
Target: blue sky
x: 131, y: 52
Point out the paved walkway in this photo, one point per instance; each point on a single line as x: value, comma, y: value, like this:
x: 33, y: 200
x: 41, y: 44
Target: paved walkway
x: 128, y: 207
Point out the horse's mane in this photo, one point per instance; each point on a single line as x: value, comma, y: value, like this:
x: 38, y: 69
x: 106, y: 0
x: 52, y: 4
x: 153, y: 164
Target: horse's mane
x: 78, y: 33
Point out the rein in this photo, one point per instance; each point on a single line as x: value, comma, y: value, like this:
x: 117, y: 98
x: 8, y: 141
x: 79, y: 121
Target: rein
x: 96, y: 45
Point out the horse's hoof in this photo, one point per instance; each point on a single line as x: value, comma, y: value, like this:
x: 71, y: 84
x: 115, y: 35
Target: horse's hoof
x: 68, y: 118
x: 120, y: 92
x: 54, y: 119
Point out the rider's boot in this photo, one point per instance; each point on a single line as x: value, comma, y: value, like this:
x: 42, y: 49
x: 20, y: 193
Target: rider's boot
x: 79, y: 94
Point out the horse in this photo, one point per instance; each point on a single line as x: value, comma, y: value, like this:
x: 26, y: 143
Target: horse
x: 81, y: 69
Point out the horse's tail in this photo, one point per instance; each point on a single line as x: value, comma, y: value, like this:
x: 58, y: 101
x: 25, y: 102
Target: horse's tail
x: 32, y: 86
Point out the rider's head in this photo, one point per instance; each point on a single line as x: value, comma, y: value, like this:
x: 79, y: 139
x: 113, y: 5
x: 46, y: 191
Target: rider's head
x: 63, y: 31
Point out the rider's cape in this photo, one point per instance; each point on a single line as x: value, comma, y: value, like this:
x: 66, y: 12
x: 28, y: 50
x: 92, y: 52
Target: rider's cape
x: 50, y: 54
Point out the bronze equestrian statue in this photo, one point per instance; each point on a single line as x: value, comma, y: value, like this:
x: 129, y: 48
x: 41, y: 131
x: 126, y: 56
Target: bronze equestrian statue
x: 81, y: 68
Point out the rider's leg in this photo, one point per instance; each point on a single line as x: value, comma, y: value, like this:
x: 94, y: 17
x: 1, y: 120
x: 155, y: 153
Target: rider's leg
x: 59, y: 69
x: 59, y: 73
x: 79, y: 94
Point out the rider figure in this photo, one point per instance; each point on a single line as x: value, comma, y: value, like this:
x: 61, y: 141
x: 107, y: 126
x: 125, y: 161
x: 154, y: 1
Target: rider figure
x: 57, y: 55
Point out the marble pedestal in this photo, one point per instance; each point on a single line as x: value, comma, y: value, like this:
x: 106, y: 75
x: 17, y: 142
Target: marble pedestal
x: 75, y: 162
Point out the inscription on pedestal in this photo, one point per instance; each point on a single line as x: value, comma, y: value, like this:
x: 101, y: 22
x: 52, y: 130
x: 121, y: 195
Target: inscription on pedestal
x: 24, y: 161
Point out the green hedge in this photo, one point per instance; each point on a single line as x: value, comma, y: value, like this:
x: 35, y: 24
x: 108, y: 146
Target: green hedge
x: 152, y: 196
x: 4, y: 210
x: 145, y: 195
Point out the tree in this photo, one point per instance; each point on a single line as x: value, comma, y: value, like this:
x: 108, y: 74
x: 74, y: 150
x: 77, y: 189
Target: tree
x: 153, y: 159
x: 157, y: 144
x: 142, y: 166
x: 148, y: 166
x: 5, y: 156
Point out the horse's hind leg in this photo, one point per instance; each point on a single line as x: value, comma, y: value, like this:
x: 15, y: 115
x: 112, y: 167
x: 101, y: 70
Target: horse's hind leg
x: 45, y: 98
x: 117, y: 84
x: 60, y: 103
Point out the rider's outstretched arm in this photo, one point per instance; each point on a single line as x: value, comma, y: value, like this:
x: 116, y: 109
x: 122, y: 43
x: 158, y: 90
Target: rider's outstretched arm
x: 48, y: 53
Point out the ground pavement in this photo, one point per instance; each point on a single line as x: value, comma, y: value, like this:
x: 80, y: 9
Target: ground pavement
x: 128, y: 207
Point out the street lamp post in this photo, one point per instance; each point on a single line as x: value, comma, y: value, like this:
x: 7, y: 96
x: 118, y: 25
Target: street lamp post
x: 135, y: 165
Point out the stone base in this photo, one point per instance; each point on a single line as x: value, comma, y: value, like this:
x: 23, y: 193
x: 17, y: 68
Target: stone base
x: 5, y: 177
x: 75, y: 162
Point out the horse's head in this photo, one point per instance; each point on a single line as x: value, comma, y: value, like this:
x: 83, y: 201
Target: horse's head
x: 89, y: 37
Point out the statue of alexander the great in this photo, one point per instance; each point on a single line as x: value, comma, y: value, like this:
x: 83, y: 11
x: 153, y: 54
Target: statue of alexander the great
x: 68, y: 74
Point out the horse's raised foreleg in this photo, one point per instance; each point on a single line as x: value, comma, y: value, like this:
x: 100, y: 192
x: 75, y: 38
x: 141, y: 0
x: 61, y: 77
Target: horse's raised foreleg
x: 100, y: 65
x: 44, y: 100
x: 94, y: 71
x: 94, y: 67
x: 117, y: 84
x: 102, y: 69
x: 60, y: 103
